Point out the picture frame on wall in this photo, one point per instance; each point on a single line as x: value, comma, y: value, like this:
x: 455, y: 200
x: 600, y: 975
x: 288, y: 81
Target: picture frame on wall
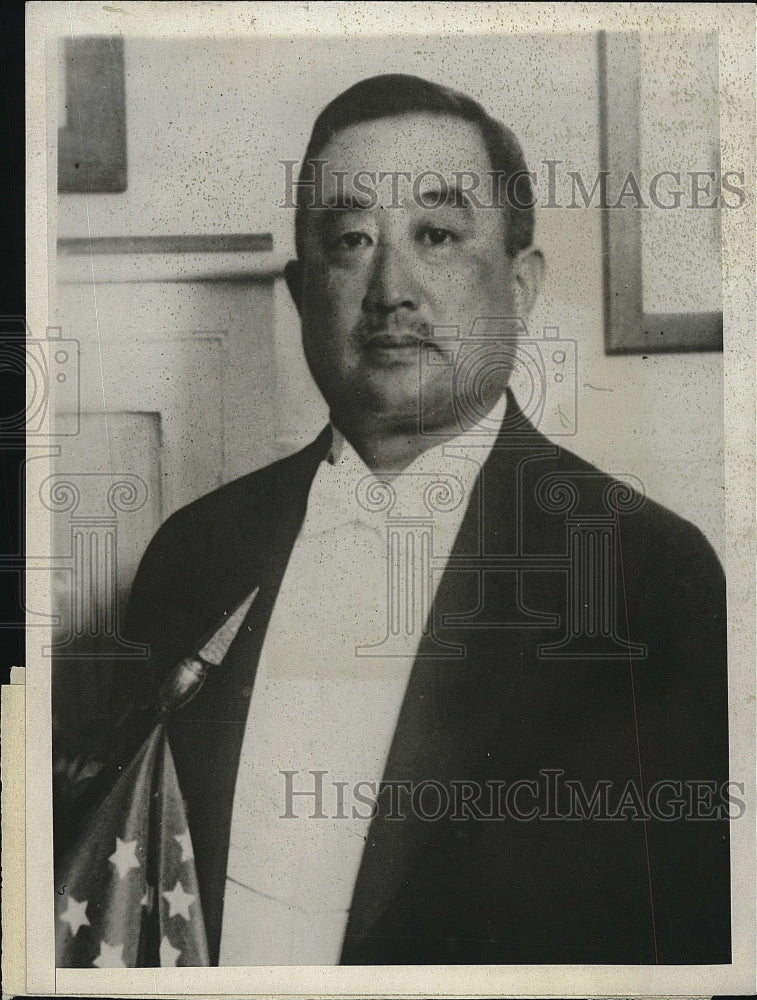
x: 92, y: 142
x: 650, y: 214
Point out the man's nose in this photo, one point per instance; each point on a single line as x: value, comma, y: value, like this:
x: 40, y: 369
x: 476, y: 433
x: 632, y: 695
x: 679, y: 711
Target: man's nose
x: 392, y: 284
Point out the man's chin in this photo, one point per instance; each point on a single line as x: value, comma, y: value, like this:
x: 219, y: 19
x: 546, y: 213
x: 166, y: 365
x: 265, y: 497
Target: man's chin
x: 387, y: 416
x: 394, y: 413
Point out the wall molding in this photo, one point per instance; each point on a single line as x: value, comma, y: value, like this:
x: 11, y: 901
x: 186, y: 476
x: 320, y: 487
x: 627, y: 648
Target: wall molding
x: 202, y: 257
x: 194, y: 243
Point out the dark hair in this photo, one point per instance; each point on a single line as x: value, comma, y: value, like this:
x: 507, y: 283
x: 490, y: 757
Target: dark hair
x: 397, y: 94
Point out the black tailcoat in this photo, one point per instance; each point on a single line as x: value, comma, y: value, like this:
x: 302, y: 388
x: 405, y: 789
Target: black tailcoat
x: 468, y: 889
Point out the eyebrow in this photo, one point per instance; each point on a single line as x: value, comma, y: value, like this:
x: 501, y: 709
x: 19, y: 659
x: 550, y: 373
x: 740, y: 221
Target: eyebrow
x: 445, y: 195
x: 441, y: 195
x: 346, y: 203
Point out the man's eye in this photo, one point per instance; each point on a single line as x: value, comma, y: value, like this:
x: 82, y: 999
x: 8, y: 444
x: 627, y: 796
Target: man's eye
x: 352, y: 240
x: 436, y: 236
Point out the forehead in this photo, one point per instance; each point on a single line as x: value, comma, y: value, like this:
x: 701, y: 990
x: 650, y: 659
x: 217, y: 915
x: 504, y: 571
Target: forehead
x: 412, y: 143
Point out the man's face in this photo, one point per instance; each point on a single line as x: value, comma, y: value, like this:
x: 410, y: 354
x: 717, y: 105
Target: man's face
x: 376, y: 281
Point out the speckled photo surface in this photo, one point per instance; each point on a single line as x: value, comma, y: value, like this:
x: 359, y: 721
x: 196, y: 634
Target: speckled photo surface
x: 389, y: 493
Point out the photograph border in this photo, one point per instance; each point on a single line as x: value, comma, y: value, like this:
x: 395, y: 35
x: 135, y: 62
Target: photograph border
x: 735, y: 24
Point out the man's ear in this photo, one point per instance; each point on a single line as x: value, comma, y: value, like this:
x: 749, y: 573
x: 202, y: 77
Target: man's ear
x: 528, y: 268
x: 293, y: 277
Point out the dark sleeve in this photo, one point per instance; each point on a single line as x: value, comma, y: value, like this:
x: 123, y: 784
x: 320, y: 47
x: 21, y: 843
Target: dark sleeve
x: 681, y: 696
x: 162, y: 612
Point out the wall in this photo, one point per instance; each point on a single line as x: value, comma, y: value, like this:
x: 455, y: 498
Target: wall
x: 210, y: 120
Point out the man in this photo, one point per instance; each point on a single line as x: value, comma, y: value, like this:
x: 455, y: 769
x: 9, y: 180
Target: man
x: 443, y: 602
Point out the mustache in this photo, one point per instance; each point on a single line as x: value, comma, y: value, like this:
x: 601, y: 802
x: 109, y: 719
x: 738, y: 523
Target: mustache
x: 394, y: 324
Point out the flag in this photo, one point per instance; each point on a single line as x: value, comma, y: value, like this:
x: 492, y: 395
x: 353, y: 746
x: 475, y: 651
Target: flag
x: 126, y: 894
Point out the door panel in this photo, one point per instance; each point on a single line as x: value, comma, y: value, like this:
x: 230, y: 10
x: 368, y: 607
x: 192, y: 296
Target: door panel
x: 176, y: 396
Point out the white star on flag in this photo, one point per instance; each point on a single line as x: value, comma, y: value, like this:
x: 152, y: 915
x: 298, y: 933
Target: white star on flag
x: 110, y: 957
x: 185, y: 842
x: 179, y: 901
x: 75, y: 914
x: 168, y: 954
x: 124, y: 857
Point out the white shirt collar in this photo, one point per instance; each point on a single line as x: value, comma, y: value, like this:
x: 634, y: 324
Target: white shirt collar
x: 344, y: 488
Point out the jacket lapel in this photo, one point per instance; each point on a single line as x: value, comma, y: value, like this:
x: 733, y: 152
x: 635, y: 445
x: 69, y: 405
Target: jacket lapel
x: 206, y: 734
x: 452, y: 707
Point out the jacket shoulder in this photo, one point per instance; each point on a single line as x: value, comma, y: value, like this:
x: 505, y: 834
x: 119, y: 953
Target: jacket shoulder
x: 238, y: 503
x: 643, y: 520
x: 203, y: 558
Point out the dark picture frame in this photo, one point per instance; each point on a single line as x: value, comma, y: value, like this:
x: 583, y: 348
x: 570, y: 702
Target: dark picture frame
x: 92, y: 143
